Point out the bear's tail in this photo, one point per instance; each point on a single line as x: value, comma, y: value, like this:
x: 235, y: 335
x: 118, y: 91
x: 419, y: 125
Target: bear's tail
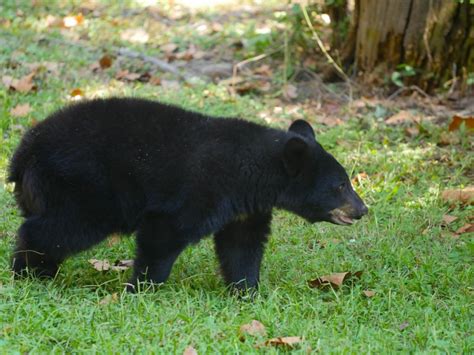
x: 23, y: 172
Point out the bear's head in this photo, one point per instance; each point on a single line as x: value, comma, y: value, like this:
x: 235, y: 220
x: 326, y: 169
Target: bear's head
x: 318, y: 188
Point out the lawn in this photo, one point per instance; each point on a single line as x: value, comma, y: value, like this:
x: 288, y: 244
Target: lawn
x: 418, y: 267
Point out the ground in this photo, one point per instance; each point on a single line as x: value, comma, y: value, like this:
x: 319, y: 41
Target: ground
x: 419, y: 269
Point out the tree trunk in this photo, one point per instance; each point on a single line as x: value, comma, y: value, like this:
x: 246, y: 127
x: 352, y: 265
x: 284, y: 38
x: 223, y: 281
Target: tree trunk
x: 436, y: 37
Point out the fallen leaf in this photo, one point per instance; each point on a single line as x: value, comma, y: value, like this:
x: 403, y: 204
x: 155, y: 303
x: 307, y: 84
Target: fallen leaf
x: 449, y: 138
x: 254, y: 328
x: 106, y: 61
x: 190, y: 351
x: 154, y: 80
x: 412, y: 132
x: 288, y: 342
x: 122, y: 265
x: 169, y: 47
x: 72, y: 21
x: 464, y: 196
x: 25, y: 84
x: 448, y: 219
x: 336, y: 280
x: 356, y: 180
x: 467, y: 228
x: 400, y: 117
x: 76, y: 93
x: 369, y: 293
x: 458, y: 120
x: 135, y: 35
x: 126, y: 75
x: 330, y: 121
x: 104, y: 265
x: 290, y: 92
x: 264, y: 70
x: 20, y: 110
x: 100, y: 265
x: 109, y: 299
x: 403, y: 326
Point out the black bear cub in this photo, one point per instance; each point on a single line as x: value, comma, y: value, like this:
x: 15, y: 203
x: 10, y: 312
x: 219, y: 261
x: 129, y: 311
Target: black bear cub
x: 124, y: 165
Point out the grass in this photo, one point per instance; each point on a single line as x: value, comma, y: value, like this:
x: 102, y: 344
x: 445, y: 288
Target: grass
x: 422, y: 277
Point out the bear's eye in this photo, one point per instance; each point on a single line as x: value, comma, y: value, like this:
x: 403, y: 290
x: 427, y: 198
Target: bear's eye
x: 342, y: 186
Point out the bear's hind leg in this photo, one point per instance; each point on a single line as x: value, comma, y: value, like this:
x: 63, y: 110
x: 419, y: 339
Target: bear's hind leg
x: 158, y: 247
x: 44, y: 242
x: 239, y: 246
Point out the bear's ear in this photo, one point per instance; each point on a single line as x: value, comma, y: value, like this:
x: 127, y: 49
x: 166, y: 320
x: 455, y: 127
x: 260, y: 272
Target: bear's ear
x: 295, y: 155
x: 303, y: 128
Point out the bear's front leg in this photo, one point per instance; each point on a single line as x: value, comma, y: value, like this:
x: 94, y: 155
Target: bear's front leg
x: 239, y: 246
x: 158, y: 246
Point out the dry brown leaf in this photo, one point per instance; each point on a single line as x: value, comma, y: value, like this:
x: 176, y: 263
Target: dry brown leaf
x: 412, y: 132
x: 126, y: 75
x: 109, y: 299
x: 289, y: 342
x: 104, y: 265
x: 190, y: 351
x: 464, y: 196
x: 335, y: 280
x: 356, y: 180
x: 169, y: 47
x: 20, y: 110
x: 122, y: 265
x: 264, y: 70
x: 72, y: 21
x: 25, y: 84
x: 369, y: 293
x: 330, y: 121
x: 458, y: 120
x: 449, y: 138
x: 106, y: 61
x: 448, y: 219
x: 135, y: 35
x: 400, y: 117
x: 154, y: 80
x: 100, y: 265
x: 467, y: 228
x: 290, y: 92
x: 76, y: 93
x: 254, y: 328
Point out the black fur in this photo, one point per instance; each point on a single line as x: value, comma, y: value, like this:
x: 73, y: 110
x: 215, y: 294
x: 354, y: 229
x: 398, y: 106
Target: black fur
x: 172, y: 176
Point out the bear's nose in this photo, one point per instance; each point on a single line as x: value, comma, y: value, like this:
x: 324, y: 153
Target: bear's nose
x: 360, y: 212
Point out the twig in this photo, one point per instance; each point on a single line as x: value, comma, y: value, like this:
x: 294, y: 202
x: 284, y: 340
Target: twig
x: 239, y: 65
x: 125, y: 52
x: 325, y: 52
x: 160, y: 64
x: 406, y: 88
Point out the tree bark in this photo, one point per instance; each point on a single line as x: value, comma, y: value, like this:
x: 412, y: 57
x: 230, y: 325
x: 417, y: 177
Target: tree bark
x: 436, y: 37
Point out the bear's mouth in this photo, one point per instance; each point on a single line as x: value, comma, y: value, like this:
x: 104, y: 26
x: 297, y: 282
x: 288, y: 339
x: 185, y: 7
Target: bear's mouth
x: 340, y: 217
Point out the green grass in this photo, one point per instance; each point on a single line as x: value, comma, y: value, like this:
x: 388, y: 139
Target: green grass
x: 421, y: 276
